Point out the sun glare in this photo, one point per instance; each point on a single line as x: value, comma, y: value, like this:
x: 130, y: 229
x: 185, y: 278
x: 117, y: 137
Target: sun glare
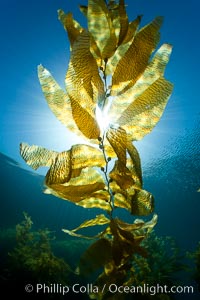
x: 102, y: 119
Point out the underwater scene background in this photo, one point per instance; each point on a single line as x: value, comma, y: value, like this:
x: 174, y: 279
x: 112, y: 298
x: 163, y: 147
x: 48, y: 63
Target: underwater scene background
x: 173, y: 179
x: 34, y: 249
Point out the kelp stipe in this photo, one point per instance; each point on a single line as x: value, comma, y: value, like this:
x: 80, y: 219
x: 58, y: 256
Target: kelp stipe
x: 110, y: 116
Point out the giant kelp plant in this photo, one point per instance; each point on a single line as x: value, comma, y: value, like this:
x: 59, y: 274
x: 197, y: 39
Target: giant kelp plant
x: 115, y: 94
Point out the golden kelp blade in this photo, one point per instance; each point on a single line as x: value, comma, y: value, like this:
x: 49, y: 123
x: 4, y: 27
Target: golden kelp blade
x: 153, y: 71
x: 69, y: 176
x: 122, y: 176
x: 79, y: 188
x: 131, y: 32
x: 69, y: 232
x: 118, y: 140
x: 120, y: 200
x: 139, y: 227
x: 119, y: 20
x: 81, y: 76
x: 85, y: 119
x: 123, y: 47
x: 83, y: 73
x: 122, y: 197
x: 99, y: 199
x: 67, y: 162
x: 62, y: 165
x: 144, y: 113
x: 124, y: 243
x: 142, y: 203
x: 127, y: 178
x: 100, y: 27
x: 134, y: 165
x: 121, y: 144
x: 129, y: 227
x: 98, y: 221
x: 72, y: 27
x: 126, y: 175
x: 137, y: 202
x: 120, y: 173
x: 147, y: 227
x: 36, y: 156
x: 123, y: 19
x: 137, y: 56
x: 114, y: 14
x: 58, y: 100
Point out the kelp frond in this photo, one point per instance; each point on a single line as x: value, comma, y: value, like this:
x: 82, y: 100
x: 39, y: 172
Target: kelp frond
x: 115, y: 93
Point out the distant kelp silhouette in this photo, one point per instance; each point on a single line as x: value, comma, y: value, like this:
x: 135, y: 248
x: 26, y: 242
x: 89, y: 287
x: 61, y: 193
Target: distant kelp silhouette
x: 32, y: 257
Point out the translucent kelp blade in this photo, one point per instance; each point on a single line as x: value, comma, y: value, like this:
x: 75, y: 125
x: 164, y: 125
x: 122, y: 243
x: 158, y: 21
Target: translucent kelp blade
x: 65, y: 165
x: 153, y: 71
x: 118, y: 140
x: 123, y: 18
x: 142, y: 203
x: 147, y: 227
x: 36, y: 156
x: 100, y: 27
x: 122, y: 176
x: 144, y: 113
x: 124, y: 244
x: 98, y: 220
x: 129, y: 227
x: 121, y: 49
x: 114, y: 14
x: 95, y: 51
x: 122, y: 197
x: 121, y: 201
x: 121, y: 173
x: 126, y: 235
x: 134, y: 165
x: 95, y: 257
x: 132, y: 30
x: 78, y: 157
x: 84, y: 118
x: 57, y: 100
x: 79, y: 188
x: 70, y: 232
x: 137, y: 56
x: 99, y: 200
x: 119, y: 20
x: 86, y: 156
x: 81, y: 76
x: 60, y: 170
x: 156, y: 67
x: 72, y: 27
x: 83, y: 69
